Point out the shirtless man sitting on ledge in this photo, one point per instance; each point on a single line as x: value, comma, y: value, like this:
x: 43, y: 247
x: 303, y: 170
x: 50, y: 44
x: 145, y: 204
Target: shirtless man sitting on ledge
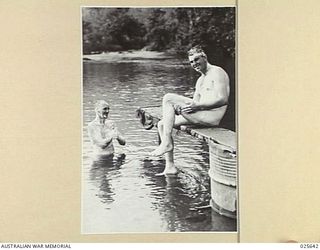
x: 207, y: 107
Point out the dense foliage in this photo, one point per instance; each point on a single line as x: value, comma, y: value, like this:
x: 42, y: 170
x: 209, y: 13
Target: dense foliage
x: 160, y: 29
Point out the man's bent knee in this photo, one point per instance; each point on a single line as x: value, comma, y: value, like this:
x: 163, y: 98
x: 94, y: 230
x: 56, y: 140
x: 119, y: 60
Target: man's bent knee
x: 170, y: 97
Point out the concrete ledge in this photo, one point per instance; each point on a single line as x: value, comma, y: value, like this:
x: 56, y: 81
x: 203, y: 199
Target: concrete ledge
x: 222, y: 136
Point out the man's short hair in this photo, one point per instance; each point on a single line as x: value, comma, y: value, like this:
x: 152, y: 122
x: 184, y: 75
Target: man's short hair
x: 196, y: 50
x: 101, y: 104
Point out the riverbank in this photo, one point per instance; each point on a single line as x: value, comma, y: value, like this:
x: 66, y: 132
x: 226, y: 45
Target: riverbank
x: 131, y: 54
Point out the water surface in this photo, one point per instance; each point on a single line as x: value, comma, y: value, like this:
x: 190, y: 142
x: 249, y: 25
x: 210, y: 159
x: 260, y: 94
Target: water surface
x: 122, y: 193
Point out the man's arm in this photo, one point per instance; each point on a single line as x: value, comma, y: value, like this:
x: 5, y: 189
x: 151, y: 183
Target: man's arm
x: 215, y: 95
x: 117, y: 134
x: 196, y: 95
x: 96, y: 138
x: 119, y: 137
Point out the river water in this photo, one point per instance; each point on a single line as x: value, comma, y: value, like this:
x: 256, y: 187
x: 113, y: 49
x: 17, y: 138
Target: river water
x: 122, y: 194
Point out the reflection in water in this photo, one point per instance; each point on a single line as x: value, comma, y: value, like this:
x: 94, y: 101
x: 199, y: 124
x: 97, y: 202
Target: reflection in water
x: 121, y: 193
x: 176, y: 199
x: 104, y: 168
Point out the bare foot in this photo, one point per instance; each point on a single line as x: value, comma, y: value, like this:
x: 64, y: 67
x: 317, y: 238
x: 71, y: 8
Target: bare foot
x: 162, y: 149
x: 168, y: 171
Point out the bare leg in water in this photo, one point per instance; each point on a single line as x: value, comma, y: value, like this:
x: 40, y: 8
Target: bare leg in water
x: 170, y: 168
x: 165, y: 128
x: 170, y: 103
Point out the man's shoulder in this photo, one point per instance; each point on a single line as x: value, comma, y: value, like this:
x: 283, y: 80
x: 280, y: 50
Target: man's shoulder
x: 214, y: 69
x: 219, y: 73
x: 94, y: 123
x: 91, y: 124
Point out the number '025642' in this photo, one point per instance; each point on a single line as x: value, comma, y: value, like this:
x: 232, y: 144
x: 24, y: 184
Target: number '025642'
x: 309, y: 245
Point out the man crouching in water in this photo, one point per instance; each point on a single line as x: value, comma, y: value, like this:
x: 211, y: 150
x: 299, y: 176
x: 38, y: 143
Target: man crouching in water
x: 207, y: 107
x: 103, y: 131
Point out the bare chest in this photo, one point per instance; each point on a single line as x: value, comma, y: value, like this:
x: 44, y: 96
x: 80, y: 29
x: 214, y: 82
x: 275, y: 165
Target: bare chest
x: 206, y: 83
x: 105, y: 130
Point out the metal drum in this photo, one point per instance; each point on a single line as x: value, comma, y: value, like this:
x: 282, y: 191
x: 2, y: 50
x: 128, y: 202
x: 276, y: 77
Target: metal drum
x: 223, y: 175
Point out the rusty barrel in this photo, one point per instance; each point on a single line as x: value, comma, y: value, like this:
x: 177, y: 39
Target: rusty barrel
x: 223, y: 179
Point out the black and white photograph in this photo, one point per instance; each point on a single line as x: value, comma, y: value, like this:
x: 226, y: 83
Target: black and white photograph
x: 159, y: 122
